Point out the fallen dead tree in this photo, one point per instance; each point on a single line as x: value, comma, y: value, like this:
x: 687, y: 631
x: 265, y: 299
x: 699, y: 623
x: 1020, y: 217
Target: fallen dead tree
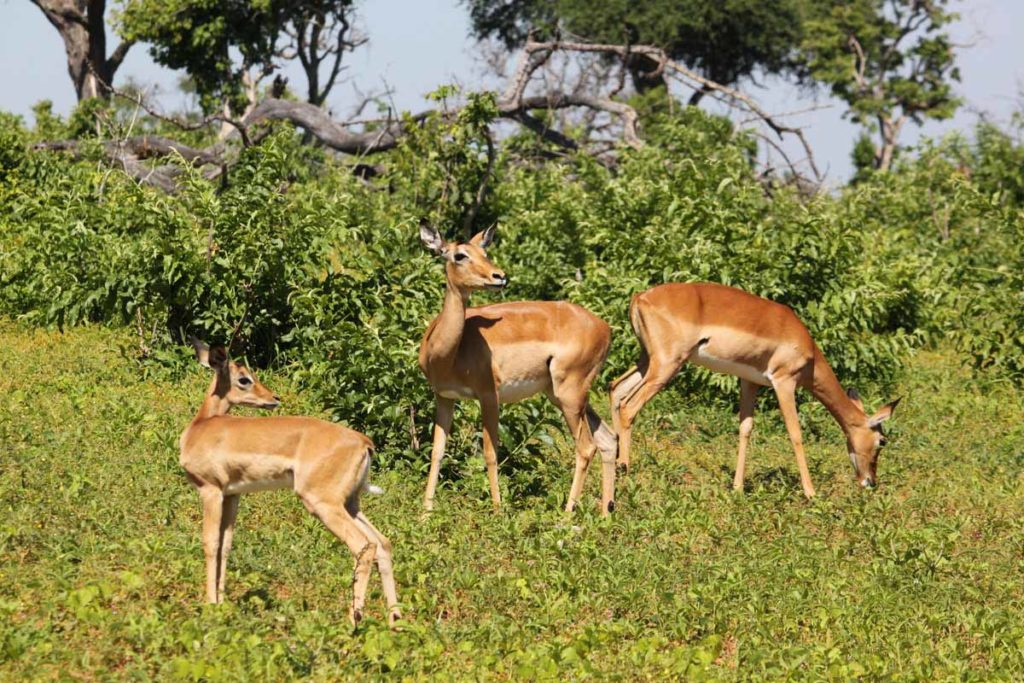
x: 519, y: 103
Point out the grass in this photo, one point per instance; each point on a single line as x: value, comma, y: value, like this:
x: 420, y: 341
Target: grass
x: 101, y: 567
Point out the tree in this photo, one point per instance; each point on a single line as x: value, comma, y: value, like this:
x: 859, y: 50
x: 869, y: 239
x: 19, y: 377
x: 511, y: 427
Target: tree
x: 724, y: 40
x: 221, y: 43
x: 320, y: 32
x: 889, y: 60
x: 82, y: 28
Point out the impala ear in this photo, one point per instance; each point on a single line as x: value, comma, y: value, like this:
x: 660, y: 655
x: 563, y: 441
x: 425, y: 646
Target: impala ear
x: 484, y: 239
x: 201, y: 349
x: 430, y: 237
x: 883, y: 414
x: 217, y: 358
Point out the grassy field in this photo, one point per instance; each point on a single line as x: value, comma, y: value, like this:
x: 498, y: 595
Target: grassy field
x: 101, y: 567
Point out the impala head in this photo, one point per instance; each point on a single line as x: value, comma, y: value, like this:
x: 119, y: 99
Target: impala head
x: 234, y: 383
x: 864, y: 442
x: 466, y: 263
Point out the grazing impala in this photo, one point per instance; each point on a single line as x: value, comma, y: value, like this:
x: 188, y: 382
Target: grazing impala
x: 507, y: 352
x: 325, y: 463
x: 764, y: 344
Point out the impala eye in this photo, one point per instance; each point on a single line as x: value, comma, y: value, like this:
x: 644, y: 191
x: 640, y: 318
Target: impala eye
x: 460, y: 256
x: 244, y: 381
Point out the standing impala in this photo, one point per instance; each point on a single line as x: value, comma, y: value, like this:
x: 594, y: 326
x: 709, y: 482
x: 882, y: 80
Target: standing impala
x: 507, y: 352
x: 326, y: 464
x: 764, y: 344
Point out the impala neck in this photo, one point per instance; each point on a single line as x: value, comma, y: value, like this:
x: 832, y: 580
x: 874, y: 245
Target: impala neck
x: 830, y: 392
x: 213, y: 405
x: 443, y: 343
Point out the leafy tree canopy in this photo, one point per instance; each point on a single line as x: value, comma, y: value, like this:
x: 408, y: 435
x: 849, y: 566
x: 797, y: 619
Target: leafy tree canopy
x: 218, y: 42
x: 725, y: 40
x: 889, y: 60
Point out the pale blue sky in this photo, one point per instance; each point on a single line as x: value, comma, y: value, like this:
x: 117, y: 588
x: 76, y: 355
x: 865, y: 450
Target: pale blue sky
x: 416, y: 45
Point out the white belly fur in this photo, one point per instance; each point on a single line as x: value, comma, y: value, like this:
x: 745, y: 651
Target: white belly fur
x: 729, y: 367
x: 515, y: 390
x: 284, y: 482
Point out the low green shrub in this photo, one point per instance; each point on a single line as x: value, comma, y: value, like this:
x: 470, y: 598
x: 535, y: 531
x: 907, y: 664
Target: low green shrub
x: 298, y: 262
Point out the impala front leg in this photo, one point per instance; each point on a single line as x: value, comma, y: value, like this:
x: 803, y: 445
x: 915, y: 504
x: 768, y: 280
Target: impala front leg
x: 442, y: 427
x: 213, y: 504
x: 489, y: 412
x: 786, y: 391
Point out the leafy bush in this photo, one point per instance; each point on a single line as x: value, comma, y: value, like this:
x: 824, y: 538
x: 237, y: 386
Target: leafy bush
x: 302, y: 263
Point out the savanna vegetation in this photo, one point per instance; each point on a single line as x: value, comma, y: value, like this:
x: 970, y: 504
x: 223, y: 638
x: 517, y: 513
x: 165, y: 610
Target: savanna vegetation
x: 123, y: 231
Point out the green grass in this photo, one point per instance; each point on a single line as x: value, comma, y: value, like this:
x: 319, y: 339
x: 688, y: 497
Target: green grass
x: 101, y: 568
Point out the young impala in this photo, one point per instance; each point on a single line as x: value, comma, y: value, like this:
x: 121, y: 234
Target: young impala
x: 764, y: 344
x: 507, y: 352
x: 326, y: 464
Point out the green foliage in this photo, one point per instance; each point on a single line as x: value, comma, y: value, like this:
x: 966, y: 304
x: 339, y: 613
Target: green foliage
x: 101, y: 563
x: 889, y: 60
x: 299, y: 263
x: 200, y: 37
x: 13, y: 145
x: 725, y: 41
x: 218, y: 42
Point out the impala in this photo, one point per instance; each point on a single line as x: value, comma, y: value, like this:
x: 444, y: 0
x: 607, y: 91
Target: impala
x: 764, y: 344
x: 326, y: 464
x: 507, y: 352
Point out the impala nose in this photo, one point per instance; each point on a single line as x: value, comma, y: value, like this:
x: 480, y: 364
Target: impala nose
x: 868, y: 483
x: 500, y: 279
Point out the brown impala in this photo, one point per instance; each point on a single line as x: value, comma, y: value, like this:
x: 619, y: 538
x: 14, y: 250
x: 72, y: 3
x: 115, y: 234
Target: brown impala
x: 326, y: 464
x: 507, y: 352
x: 764, y: 344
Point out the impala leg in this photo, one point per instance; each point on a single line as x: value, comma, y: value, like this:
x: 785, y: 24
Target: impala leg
x: 227, y: 531
x: 213, y: 504
x: 620, y: 389
x: 748, y: 398
x: 659, y: 373
x: 607, y: 443
x: 341, y: 524
x: 442, y: 427
x: 384, y: 566
x: 786, y: 391
x: 489, y: 412
x: 585, y: 449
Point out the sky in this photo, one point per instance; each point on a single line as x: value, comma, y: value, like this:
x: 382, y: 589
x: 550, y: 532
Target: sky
x: 416, y: 45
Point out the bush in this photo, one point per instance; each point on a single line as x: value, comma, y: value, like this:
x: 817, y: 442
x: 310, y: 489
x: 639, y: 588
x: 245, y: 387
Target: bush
x: 301, y: 263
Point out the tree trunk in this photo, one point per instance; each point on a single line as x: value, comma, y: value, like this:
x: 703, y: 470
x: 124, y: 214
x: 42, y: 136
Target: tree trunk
x: 80, y: 24
x: 889, y: 131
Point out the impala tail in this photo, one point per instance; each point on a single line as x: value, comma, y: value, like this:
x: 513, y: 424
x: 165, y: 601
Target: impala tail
x: 364, y: 484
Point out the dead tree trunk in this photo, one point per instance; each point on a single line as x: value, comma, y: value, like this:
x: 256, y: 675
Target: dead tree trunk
x: 81, y: 26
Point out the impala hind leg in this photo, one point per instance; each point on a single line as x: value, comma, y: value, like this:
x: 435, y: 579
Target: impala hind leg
x: 748, y: 399
x: 607, y: 442
x: 620, y: 389
x: 384, y: 566
x: 658, y: 374
x: 442, y: 427
x: 786, y: 391
x: 575, y: 419
x: 345, y: 528
x: 570, y: 386
x: 227, y: 526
